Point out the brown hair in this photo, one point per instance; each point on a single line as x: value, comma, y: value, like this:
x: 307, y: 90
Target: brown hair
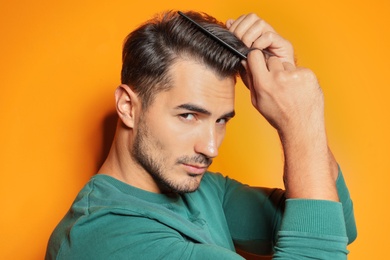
x: 149, y: 51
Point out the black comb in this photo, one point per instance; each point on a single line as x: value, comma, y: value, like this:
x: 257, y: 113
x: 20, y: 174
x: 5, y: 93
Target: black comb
x: 207, y: 32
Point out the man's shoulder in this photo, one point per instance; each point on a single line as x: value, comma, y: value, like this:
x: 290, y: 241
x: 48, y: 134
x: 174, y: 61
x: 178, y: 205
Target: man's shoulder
x: 213, y: 184
x: 216, y: 179
x: 103, y: 195
x: 212, y: 180
x: 213, y: 176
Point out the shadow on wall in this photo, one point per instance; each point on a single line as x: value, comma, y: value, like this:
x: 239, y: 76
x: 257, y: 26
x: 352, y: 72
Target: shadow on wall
x: 108, y: 131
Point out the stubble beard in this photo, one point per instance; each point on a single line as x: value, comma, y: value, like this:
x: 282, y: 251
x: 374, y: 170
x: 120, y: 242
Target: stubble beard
x: 150, y: 155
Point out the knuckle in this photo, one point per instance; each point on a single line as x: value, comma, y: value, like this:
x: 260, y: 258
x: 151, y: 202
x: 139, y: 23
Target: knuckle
x: 247, y: 39
x: 253, y: 16
x: 292, y: 76
x: 260, y: 23
x: 281, y: 76
x: 269, y: 36
x: 308, y: 74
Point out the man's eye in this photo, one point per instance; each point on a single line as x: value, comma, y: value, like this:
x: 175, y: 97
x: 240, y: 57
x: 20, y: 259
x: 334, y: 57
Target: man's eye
x: 222, y: 121
x: 188, y: 116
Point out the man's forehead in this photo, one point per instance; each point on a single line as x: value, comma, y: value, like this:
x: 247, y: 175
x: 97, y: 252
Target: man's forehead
x: 188, y: 61
x: 196, y: 80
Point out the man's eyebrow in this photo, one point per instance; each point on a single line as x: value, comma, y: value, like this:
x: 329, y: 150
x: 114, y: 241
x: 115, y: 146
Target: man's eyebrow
x: 196, y: 108
x: 229, y: 115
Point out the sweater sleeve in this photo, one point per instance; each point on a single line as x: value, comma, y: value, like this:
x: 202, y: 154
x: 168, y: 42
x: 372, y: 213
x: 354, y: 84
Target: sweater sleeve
x: 114, y: 236
x: 255, y: 215
x: 348, y: 211
x: 312, y: 228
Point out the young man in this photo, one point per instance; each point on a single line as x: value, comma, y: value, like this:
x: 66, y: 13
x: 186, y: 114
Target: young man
x: 153, y: 197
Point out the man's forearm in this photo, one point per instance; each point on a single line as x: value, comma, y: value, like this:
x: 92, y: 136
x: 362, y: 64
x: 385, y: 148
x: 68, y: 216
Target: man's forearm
x: 310, y: 168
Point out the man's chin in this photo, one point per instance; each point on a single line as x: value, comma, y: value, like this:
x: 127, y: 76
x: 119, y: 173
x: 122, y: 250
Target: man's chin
x: 195, y: 175
x: 187, y: 182
x: 192, y: 185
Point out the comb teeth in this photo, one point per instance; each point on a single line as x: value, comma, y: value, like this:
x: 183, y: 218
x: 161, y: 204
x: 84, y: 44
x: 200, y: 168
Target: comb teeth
x: 216, y: 38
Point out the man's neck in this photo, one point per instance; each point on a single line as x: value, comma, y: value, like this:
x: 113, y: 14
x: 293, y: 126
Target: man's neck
x: 120, y: 165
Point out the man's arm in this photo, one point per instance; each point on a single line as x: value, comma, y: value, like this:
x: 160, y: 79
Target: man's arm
x: 255, y: 215
x: 291, y: 100
x: 116, y: 236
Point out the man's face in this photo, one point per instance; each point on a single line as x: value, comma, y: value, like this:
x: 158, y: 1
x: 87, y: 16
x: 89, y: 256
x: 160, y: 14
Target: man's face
x: 181, y: 131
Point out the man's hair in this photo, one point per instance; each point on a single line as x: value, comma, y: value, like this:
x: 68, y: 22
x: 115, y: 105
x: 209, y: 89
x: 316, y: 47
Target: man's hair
x: 151, y: 49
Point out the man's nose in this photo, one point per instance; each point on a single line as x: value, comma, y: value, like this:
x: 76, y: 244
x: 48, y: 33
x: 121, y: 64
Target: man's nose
x: 208, y: 143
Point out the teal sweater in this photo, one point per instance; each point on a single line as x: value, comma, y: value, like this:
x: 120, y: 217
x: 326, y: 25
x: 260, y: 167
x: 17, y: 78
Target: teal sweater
x: 113, y: 220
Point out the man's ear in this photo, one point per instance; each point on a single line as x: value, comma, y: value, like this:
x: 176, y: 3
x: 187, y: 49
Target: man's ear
x: 127, y: 104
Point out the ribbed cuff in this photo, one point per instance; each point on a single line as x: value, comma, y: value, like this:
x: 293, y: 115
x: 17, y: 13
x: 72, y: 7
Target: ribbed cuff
x: 314, y: 216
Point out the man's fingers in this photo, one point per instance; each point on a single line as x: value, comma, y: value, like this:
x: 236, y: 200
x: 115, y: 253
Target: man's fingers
x: 288, y: 66
x: 257, y: 64
x: 277, y: 45
x: 275, y: 64
x: 229, y: 23
x: 249, y: 27
x: 255, y: 31
x: 235, y: 23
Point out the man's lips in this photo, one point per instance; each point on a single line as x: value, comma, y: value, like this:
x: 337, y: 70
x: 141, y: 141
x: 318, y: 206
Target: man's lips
x: 196, y: 169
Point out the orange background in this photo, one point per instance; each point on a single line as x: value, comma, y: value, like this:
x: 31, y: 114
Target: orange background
x: 60, y: 63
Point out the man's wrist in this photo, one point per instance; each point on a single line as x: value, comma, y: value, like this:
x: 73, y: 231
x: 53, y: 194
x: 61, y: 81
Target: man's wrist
x: 310, y: 168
